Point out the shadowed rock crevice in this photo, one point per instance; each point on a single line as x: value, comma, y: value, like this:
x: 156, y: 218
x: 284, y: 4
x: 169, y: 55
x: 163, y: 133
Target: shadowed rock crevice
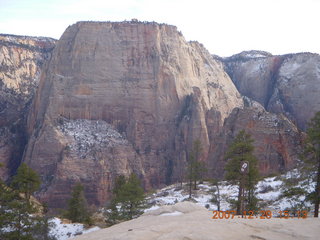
x: 287, y: 84
x: 21, y: 59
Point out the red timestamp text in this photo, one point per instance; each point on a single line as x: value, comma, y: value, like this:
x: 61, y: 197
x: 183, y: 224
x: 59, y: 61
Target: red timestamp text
x: 263, y: 214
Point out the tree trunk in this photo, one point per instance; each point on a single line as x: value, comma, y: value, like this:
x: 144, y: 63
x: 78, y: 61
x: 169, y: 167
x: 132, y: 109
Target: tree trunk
x: 317, y: 200
x: 218, y: 202
x: 239, y: 203
x: 190, y: 187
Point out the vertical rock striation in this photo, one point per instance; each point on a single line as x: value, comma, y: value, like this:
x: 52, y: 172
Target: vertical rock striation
x: 117, y: 98
x: 144, y: 95
x: 288, y: 84
x: 21, y: 59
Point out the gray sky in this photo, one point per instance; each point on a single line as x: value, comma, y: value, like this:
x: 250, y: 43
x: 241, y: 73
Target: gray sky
x: 225, y: 27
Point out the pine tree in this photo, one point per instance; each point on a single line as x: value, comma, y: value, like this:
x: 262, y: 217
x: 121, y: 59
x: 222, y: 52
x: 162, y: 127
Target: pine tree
x: 128, y: 200
x: 131, y: 196
x: 113, y: 213
x: 196, y: 168
x: 77, y: 206
x: 19, y: 218
x: 312, y: 158
x: 26, y: 181
x: 216, y: 198
x: 241, y: 152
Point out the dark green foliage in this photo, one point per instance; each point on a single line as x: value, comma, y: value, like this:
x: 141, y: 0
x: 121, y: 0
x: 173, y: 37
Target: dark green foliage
x: 119, y: 182
x: 18, y: 217
x: 26, y: 181
x: 77, y: 206
x: 294, y: 190
x: 128, y: 200
x: 312, y: 158
x: 241, y: 150
x: 196, y: 168
x: 216, y: 197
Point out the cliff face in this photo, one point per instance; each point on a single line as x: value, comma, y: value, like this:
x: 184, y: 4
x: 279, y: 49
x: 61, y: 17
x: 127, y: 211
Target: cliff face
x: 21, y: 59
x: 277, y: 140
x: 117, y: 98
x: 288, y: 84
x: 123, y: 97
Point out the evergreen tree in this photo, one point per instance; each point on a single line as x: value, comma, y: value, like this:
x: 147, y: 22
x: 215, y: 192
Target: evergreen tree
x: 240, y: 152
x: 128, y: 199
x: 216, y: 198
x: 131, y: 196
x: 77, y: 206
x: 26, y: 181
x: 19, y: 219
x: 113, y: 213
x: 196, y: 168
x: 312, y: 158
x: 295, y: 191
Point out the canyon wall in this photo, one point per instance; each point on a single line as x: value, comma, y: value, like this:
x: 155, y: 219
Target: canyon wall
x: 288, y: 84
x: 21, y: 59
x: 120, y: 97
x: 117, y: 98
x: 143, y: 94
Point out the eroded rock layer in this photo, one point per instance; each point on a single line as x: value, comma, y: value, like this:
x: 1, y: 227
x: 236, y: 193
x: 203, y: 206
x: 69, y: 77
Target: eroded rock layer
x: 117, y: 98
x: 143, y: 81
x: 288, y: 84
x: 21, y: 59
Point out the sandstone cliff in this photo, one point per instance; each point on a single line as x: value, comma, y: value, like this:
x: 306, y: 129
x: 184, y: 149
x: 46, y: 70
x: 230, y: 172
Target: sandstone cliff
x: 277, y: 140
x: 117, y: 98
x: 123, y: 97
x: 288, y: 84
x: 21, y: 59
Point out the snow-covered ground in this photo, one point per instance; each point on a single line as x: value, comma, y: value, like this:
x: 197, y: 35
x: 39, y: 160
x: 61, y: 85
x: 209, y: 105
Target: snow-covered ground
x: 63, y: 231
x: 268, y: 191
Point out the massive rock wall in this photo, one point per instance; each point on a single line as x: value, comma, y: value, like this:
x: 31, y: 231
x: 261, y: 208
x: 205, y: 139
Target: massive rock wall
x: 288, y: 84
x: 277, y: 140
x: 116, y: 98
x: 21, y: 59
x: 143, y: 82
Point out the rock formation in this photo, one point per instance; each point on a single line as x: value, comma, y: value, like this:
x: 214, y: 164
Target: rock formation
x: 288, y: 84
x: 277, y: 140
x: 21, y: 59
x: 142, y: 92
x: 117, y: 98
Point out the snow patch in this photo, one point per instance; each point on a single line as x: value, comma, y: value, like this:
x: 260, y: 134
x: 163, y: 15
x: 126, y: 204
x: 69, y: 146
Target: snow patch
x: 90, y: 135
x: 63, y: 231
x: 175, y: 213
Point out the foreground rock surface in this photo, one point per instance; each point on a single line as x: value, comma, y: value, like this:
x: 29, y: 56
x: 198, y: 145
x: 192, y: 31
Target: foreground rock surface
x: 189, y: 221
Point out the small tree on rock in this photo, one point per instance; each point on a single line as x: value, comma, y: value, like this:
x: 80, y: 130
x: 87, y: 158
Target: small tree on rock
x: 196, y: 168
x: 77, y: 206
x: 239, y: 154
x: 18, y: 215
x: 128, y: 200
x: 216, y: 197
x: 27, y: 181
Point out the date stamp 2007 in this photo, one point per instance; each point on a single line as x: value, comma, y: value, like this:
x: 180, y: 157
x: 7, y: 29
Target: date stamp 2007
x: 259, y: 214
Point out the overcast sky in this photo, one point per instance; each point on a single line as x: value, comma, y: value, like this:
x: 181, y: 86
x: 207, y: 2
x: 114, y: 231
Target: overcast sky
x: 225, y: 27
